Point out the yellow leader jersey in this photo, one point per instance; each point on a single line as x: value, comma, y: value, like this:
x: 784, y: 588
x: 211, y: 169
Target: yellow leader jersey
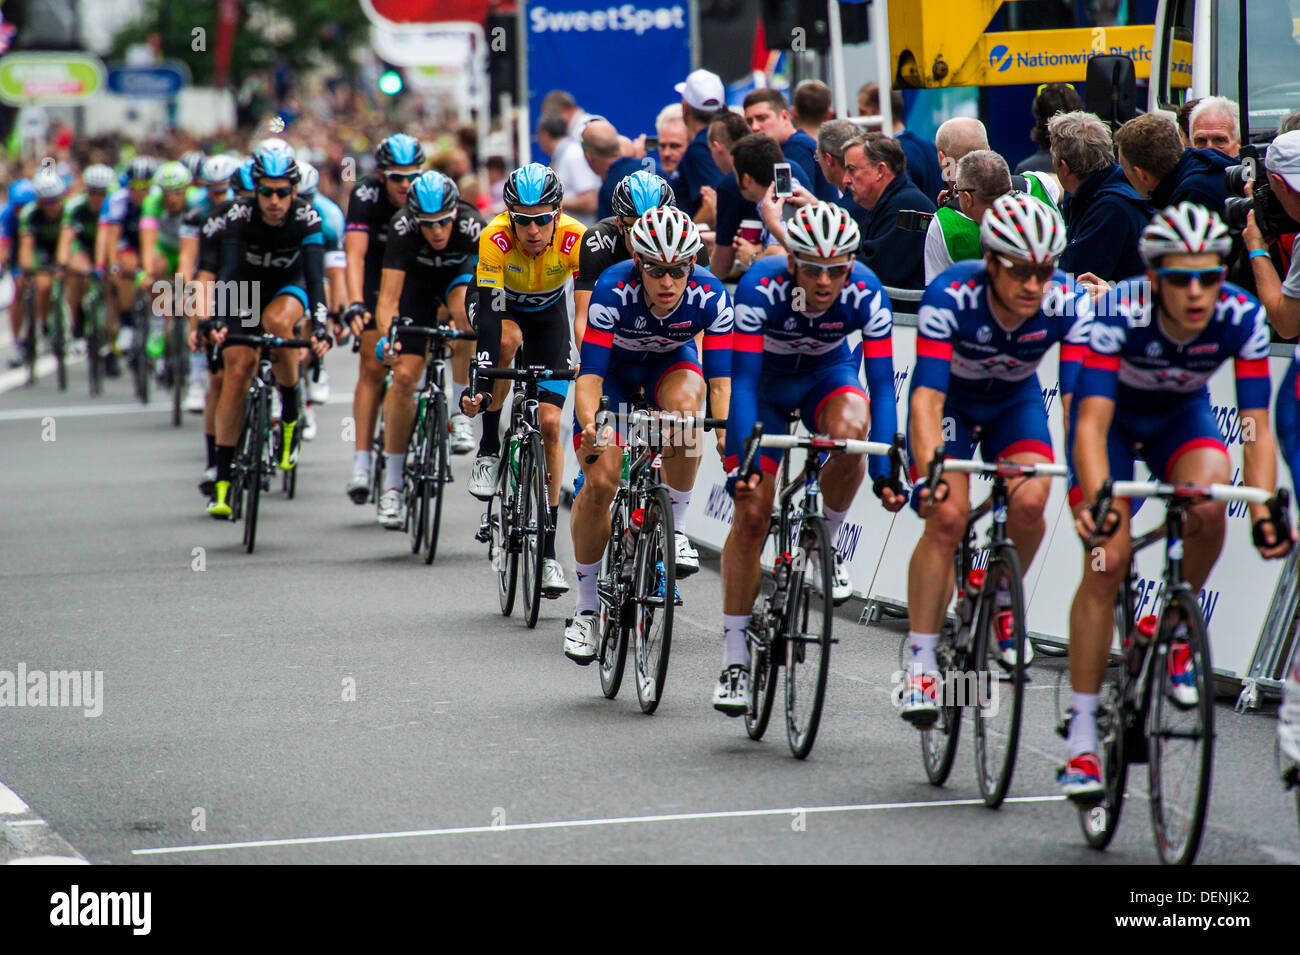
x: 531, y: 283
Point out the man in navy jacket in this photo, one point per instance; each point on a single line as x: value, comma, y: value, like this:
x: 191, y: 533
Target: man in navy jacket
x: 1104, y: 215
x: 876, y: 174
x: 1159, y: 168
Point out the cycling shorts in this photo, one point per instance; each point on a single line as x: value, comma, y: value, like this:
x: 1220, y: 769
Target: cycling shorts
x: 1013, y: 424
x: 546, y: 343
x: 807, y: 393
x: 629, y: 383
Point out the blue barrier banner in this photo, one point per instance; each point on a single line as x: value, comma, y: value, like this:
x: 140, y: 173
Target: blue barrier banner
x: 160, y: 81
x: 619, y: 60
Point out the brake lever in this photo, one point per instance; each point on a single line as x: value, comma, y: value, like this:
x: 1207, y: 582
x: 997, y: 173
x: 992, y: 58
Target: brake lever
x: 934, y: 478
x: 747, y: 469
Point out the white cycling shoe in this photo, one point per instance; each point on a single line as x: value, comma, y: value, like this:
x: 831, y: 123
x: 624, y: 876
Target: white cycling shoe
x: 462, y: 434
x: 392, y: 510
x: 581, y: 640
x: 483, y: 479
x: 688, y: 558
x: 553, y: 582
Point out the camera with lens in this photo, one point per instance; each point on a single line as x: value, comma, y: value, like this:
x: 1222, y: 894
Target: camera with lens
x: 1269, y: 214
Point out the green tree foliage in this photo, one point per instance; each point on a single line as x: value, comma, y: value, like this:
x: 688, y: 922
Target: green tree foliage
x: 304, y: 33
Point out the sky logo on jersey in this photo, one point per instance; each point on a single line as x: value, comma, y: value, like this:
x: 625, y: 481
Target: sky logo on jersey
x: 1000, y: 58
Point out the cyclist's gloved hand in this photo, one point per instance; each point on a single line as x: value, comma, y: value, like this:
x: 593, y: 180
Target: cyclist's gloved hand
x: 321, y: 333
x: 881, y: 482
x: 915, y: 496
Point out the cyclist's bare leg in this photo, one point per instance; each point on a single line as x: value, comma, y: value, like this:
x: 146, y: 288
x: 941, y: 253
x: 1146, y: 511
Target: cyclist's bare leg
x: 461, y: 351
x: 1092, y: 614
x: 843, y: 416
x: 1026, y: 502
x: 76, y: 284
x: 589, y: 523
x: 399, y: 405
x: 240, y: 362
x: 741, y: 572
x: 551, y: 417
x: 281, y: 318
x: 370, y: 384
x: 930, y: 572
x: 682, y: 391
x: 1205, y: 524
x: 43, y: 283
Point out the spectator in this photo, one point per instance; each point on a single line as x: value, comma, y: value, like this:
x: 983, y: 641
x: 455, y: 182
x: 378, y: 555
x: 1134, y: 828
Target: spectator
x: 954, y: 235
x: 581, y: 184
x: 922, y: 156
x: 671, y: 130
x: 1290, y: 123
x: 702, y: 96
x: 1159, y: 168
x: 731, y: 206
x: 954, y: 139
x: 1184, y: 120
x: 496, y: 172
x: 812, y: 106
x: 562, y: 104
x: 766, y: 112
x: 1104, y: 215
x: 1215, y: 123
x: 1053, y: 98
x: 1280, y: 297
x: 875, y: 170
x: 608, y: 157
x: 831, y: 139
x: 753, y: 157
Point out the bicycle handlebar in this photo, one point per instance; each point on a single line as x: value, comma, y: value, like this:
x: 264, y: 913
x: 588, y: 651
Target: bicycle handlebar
x: 271, y: 341
x: 531, y: 373
x: 895, y: 451
x: 1213, y: 492
x: 1004, y: 468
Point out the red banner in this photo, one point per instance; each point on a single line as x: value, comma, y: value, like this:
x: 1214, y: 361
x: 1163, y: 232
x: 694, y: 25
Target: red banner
x: 436, y: 11
x: 227, y: 21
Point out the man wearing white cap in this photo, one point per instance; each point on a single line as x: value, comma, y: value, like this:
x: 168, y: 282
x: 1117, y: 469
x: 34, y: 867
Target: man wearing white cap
x: 702, y: 96
x: 1280, y: 297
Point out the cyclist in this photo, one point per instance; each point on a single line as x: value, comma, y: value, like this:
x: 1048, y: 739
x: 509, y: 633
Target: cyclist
x: 376, y: 199
x: 161, y: 218
x: 643, y: 319
x: 215, y: 174
x: 1288, y: 716
x: 272, y: 241
x: 429, y: 264
x: 39, y: 225
x: 790, y: 352
x: 526, y: 257
x: 982, y: 330
x: 336, y: 284
x: 119, y: 252
x: 80, y: 229
x: 20, y: 193
x: 1156, y: 341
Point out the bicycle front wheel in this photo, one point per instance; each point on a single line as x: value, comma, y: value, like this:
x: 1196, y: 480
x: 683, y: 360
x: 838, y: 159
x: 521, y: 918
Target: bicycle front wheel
x: 57, y: 308
x: 1180, y: 729
x: 999, y: 690
x: 254, y: 456
x: 939, y: 740
x: 504, y: 558
x: 435, y: 476
x: 1099, y: 822
x: 532, y: 499
x: 178, y: 358
x: 808, y: 637
x: 415, y: 483
x: 656, y: 595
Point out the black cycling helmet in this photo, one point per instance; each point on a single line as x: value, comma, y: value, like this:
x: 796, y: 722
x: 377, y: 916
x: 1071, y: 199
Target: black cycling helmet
x: 533, y: 185
x: 274, y: 164
x: 638, y: 193
x: 433, y: 194
x: 399, y: 149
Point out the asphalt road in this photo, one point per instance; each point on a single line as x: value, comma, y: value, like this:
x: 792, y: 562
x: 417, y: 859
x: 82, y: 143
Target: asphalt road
x: 471, y: 738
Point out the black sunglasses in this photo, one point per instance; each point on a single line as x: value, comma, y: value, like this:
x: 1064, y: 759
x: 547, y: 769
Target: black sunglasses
x: 404, y: 176
x: 284, y: 192
x: 1182, y: 278
x: 672, y: 271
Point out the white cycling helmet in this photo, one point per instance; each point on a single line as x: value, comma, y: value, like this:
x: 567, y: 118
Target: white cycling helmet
x: 1184, y: 229
x: 99, y: 176
x: 48, y: 183
x: 667, y: 235
x: 219, y: 169
x: 822, y: 229
x: 309, y: 181
x: 1020, y: 225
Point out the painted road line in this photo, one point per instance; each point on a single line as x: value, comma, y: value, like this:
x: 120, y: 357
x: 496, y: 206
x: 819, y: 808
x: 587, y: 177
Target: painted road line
x: 579, y: 824
x: 27, y: 839
x: 97, y: 410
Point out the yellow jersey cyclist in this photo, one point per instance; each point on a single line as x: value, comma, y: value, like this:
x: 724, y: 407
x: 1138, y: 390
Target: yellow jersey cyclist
x: 526, y: 257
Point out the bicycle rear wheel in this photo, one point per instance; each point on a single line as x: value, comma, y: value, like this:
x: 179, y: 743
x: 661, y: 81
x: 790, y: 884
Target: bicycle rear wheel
x: 504, y: 558
x: 57, y: 307
x: 656, y: 595
x: 435, y: 476
x: 939, y: 740
x: 764, y: 660
x: 177, y: 357
x: 808, y: 638
x: 30, y: 338
x: 1099, y: 822
x: 532, y: 496
x: 1181, y: 735
x: 1000, y: 691
x: 93, y: 310
x: 253, y: 452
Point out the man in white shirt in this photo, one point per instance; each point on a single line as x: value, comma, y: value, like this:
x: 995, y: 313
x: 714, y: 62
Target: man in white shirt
x: 581, y: 184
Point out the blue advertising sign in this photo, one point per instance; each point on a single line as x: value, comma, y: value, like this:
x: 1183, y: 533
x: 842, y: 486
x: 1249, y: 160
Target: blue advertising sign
x: 160, y: 81
x: 601, y: 50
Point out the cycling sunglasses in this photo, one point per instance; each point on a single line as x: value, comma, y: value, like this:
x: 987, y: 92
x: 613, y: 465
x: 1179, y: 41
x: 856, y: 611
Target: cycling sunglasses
x: 404, y: 176
x: 1023, y: 273
x: 139, y: 184
x: 815, y: 270
x: 441, y: 220
x: 283, y: 192
x: 1181, y: 278
x: 541, y: 219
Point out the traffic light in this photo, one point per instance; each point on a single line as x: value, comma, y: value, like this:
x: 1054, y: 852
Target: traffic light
x: 390, y: 82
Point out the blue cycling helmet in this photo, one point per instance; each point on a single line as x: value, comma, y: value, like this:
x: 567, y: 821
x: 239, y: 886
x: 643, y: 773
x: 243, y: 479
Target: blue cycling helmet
x: 638, y: 193
x: 21, y: 192
x: 243, y: 178
x: 399, y: 149
x: 431, y: 195
x: 275, y: 164
x: 533, y: 185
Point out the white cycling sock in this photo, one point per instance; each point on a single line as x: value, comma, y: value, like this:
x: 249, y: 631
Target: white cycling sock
x: 922, y: 646
x: 735, y: 647
x: 1083, y: 725
x: 198, y: 366
x: 394, y: 464
x: 361, y: 461
x: 681, y: 501
x: 834, y: 519
x: 587, y: 578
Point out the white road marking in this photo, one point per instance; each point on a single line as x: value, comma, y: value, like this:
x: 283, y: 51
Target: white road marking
x: 97, y: 410
x: 580, y: 823
x: 27, y: 839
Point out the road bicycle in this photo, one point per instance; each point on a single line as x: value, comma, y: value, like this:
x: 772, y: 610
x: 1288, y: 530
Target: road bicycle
x: 518, y: 516
x: 971, y: 673
x: 54, y: 329
x: 637, y: 584
x: 1138, y: 720
x: 792, y: 626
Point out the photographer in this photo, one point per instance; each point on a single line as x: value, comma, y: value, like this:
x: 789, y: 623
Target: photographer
x: 1280, y: 297
x: 1162, y: 170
